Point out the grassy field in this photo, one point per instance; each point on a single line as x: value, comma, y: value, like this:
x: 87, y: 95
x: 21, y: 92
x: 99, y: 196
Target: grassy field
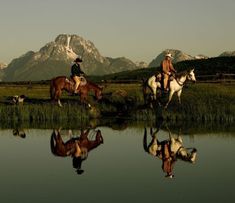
x: 200, y: 103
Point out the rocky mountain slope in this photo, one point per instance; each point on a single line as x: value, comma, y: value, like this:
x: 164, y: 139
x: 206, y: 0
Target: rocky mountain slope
x: 177, y: 57
x: 227, y: 53
x: 56, y: 57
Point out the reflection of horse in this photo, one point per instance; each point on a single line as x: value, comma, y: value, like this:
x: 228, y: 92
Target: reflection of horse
x: 63, y: 83
x: 168, y: 151
x: 176, y: 84
x: 78, y: 148
x: 61, y: 148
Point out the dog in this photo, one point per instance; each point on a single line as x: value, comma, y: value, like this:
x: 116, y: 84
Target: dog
x: 18, y: 99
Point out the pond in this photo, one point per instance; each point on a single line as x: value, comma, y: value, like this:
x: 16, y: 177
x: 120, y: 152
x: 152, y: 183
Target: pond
x: 117, y: 170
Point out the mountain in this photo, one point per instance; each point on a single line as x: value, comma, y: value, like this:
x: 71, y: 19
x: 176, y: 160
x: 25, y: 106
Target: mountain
x: 227, y: 53
x: 2, y: 68
x: 210, y: 66
x: 141, y: 64
x: 56, y: 58
x: 120, y: 64
x: 2, y: 65
x: 177, y: 57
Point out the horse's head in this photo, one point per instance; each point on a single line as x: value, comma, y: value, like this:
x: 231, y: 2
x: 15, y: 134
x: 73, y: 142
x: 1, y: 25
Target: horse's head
x: 191, y: 75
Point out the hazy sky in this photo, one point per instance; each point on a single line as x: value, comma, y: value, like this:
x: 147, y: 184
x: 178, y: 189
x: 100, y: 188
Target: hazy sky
x: 137, y: 29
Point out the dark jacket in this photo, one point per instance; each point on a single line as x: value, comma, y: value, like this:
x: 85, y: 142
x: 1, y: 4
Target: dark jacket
x: 76, y: 70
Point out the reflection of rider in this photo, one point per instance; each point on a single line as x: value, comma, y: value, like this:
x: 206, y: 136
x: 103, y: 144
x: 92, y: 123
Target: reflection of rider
x: 168, y: 161
x: 167, y: 68
x: 80, y: 155
x: 76, y: 73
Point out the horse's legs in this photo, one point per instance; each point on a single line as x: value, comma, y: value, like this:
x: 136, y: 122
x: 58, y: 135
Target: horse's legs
x: 170, y: 97
x: 154, y: 93
x: 57, y: 97
x: 179, y: 94
x: 84, y: 134
x: 84, y: 100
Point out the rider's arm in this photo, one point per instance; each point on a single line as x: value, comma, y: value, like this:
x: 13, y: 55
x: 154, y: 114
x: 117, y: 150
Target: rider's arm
x: 172, y: 68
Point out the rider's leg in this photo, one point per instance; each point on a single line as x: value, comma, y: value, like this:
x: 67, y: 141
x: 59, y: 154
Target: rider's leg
x: 77, y: 83
x: 179, y: 94
x: 165, y: 80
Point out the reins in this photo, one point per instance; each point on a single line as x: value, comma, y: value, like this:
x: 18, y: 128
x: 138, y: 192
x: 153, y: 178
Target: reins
x: 179, y: 83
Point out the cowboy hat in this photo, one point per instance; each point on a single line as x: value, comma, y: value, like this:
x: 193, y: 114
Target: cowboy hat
x: 78, y: 60
x: 169, y: 55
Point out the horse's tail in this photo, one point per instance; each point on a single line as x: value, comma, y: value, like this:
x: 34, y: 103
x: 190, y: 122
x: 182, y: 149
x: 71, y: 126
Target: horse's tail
x: 52, y: 89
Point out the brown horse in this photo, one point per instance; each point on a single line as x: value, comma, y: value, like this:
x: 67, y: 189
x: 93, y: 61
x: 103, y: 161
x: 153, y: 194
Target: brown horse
x: 61, y: 83
x: 69, y: 148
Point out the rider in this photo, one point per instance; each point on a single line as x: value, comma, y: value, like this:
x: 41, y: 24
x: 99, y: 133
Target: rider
x: 167, y: 69
x: 76, y: 72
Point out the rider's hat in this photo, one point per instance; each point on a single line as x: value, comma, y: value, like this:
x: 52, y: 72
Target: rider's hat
x: 169, y: 55
x: 78, y: 60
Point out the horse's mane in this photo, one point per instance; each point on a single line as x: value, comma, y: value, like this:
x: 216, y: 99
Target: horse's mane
x: 181, y: 74
x: 92, y: 84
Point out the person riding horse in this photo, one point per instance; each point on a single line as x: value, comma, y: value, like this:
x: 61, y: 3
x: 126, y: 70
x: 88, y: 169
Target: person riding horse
x: 166, y: 69
x: 76, y: 73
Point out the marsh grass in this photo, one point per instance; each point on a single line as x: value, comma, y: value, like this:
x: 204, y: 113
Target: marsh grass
x: 200, y: 102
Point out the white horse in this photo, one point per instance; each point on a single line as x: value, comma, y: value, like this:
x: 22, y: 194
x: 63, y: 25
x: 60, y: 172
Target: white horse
x: 177, y: 84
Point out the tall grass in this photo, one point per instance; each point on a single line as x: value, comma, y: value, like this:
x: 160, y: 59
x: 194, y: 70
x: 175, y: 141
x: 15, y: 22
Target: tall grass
x: 200, y: 103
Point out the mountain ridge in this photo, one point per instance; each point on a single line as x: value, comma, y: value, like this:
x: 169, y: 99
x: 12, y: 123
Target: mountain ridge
x: 56, y: 57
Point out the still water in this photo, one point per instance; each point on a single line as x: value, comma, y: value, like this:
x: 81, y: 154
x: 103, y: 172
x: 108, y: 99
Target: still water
x: 119, y: 170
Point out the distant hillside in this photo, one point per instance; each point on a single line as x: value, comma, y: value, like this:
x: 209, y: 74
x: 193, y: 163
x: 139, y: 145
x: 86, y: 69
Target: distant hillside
x: 227, y: 53
x: 56, y: 57
x: 209, y: 66
x: 2, y: 68
x: 2, y: 65
x: 177, y: 57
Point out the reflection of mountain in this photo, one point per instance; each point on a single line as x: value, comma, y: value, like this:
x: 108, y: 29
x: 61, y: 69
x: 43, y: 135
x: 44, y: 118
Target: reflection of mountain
x: 55, y: 59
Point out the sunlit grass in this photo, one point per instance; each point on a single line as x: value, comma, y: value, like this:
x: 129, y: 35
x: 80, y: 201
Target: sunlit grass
x: 200, y: 102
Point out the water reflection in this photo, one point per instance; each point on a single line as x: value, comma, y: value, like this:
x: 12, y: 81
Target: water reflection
x: 76, y: 147
x: 19, y: 133
x: 168, y: 150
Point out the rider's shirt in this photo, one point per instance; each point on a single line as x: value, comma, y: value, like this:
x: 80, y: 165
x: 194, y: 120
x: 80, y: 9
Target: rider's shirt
x: 76, y: 70
x: 167, y: 67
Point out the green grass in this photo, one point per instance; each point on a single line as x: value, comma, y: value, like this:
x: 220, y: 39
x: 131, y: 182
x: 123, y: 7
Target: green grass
x: 200, y: 103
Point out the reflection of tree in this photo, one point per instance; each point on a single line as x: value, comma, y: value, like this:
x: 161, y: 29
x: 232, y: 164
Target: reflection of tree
x: 78, y: 147
x: 168, y: 150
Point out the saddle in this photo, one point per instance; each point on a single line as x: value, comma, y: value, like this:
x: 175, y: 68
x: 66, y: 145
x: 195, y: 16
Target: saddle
x: 72, y: 82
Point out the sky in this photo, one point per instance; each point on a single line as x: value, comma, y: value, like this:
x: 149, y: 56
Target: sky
x: 136, y: 29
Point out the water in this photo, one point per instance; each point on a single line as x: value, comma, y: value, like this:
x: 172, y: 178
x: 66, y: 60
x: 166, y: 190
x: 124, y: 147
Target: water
x: 119, y: 170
